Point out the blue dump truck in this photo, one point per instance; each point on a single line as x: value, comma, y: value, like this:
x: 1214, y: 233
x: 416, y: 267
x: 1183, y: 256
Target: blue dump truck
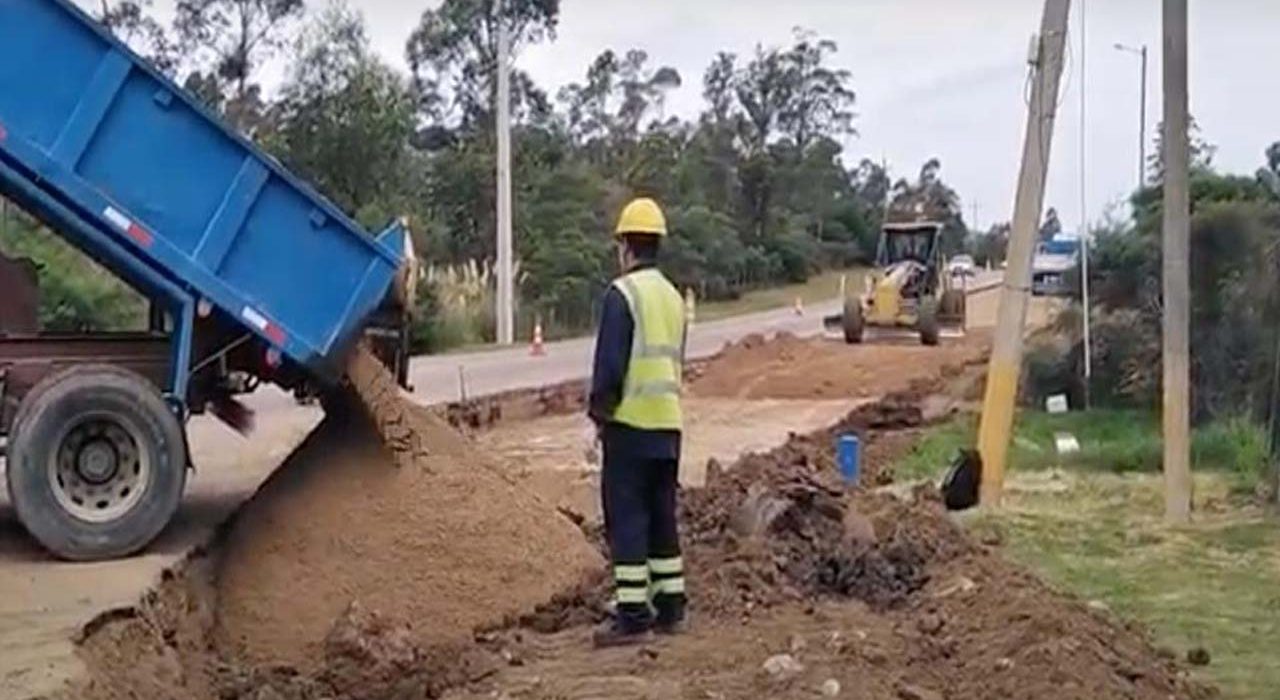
x: 252, y: 277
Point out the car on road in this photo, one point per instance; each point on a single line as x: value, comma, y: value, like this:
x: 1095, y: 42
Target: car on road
x: 962, y: 266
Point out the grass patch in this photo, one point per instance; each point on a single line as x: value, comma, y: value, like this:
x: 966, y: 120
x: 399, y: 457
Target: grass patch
x: 1115, y: 441
x: 818, y: 289
x: 1214, y: 585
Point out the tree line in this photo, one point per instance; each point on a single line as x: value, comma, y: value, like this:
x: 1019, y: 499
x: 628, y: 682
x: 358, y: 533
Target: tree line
x: 1235, y: 300
x: 755, y: 186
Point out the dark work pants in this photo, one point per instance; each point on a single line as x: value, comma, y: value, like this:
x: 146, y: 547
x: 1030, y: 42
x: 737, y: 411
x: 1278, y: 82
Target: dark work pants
x: 639, y: 495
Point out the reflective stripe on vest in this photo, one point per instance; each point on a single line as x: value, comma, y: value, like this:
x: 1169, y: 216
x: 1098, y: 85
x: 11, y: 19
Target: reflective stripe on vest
x: 651, y: 392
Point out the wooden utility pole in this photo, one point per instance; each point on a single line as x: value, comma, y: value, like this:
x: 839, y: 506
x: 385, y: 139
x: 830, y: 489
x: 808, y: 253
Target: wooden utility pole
x: 1006, y: 356
x: 1177, y: 295
x: 505, y: 301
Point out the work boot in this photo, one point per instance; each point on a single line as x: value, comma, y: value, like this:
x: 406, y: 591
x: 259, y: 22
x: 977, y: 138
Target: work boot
x: 669, y: 627
x: 616, y: 633
x: 669, y: 619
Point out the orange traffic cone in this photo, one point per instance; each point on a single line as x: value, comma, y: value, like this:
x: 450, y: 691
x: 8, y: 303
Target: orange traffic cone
x: 799, y: 307
x: 536, y: 348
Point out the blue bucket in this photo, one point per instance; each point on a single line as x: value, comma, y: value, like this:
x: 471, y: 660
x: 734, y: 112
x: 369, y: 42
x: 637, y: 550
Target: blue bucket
x: 848, y: 453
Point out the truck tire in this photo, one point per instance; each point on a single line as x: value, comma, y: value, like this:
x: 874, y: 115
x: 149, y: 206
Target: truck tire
x: 927, y: 321
x: 96, y: 463
x: 852, y: 321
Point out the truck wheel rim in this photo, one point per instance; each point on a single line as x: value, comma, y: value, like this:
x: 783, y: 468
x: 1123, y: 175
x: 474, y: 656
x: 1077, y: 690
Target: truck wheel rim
x: 98, y: 473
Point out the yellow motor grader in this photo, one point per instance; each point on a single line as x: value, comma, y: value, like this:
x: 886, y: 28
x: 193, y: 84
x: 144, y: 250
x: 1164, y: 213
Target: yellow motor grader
x: 910, y: 289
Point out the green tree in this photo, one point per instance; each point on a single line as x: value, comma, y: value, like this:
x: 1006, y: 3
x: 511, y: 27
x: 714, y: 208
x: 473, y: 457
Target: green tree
x: 453, y: 54
x: 606, y: 114
x: 131, y: 21
x: 929, y: 198
x: 1235, y: 292
x: 991, y: 246
x: 76, y: 294
x: 1201, y: 152
x: 344, y: 120
x: 1052, y: 225
x: 820, y: 105
x: 225, y: 42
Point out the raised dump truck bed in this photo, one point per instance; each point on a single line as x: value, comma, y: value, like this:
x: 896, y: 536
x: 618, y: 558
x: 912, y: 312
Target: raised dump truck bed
x: 258, y: 277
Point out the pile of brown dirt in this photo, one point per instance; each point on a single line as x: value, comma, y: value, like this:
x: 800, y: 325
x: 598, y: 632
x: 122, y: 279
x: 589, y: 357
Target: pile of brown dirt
x: 445, y: 541
x: 780, y: 527
x: 787, y: 367
x: 986, y: 628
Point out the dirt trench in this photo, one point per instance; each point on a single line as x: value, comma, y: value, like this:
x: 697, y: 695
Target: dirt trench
x: 872, y: 592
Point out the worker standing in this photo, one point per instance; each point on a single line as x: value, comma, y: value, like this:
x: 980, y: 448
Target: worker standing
x: 635, y: 405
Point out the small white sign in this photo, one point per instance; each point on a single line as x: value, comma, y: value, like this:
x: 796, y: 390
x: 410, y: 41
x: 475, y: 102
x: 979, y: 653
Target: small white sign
x: 1057, y: 404
x: 1066, y: 443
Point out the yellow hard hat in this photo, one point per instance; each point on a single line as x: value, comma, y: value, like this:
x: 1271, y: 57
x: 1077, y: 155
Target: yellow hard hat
x: 642, y: 215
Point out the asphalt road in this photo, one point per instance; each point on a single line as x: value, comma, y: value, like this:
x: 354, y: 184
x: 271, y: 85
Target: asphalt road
x: 441, y: 378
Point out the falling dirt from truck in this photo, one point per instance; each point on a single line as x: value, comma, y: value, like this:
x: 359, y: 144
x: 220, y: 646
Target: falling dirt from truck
x: 424, y: 527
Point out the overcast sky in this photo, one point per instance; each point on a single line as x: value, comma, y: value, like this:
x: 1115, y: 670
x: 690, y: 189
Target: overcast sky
x: 946, y: 78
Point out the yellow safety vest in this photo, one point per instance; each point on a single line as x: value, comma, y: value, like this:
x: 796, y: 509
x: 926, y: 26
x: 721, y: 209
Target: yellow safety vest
x: 651, y: 391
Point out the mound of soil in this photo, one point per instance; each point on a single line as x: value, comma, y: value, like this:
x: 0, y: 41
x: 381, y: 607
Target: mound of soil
x: 779, y: 527
x: 787, y: 367
x: 985, y: 628
x: 444, y: 542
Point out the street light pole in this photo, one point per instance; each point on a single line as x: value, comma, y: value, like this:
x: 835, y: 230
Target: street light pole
x: 1142, y: 111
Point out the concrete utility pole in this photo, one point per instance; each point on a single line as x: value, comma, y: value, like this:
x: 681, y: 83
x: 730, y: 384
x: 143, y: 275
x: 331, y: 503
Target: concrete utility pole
x: 1177, y: 295
x: 1006, y: 356
x: 506, y: 287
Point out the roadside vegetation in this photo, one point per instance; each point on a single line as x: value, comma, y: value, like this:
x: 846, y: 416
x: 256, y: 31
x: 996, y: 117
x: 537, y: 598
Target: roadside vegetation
x: 1111, y: 441
x: 1235, y: 306
x: 76, y: 294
